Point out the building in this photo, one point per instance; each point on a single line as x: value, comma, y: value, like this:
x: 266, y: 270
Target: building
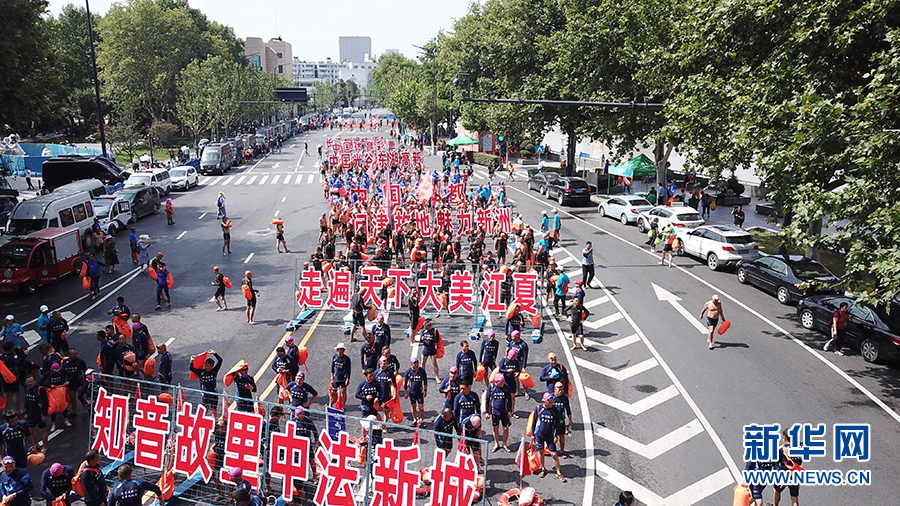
x: 355, y: 49
x: 359, y: 73
x: 391, y: 51
x: 307, y: 73
x: 275, y: 56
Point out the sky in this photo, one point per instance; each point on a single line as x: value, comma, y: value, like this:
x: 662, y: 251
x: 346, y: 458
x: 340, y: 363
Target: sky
x: 313, y: 26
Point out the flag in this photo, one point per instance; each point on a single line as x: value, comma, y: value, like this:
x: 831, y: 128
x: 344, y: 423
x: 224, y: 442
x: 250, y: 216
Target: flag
x: 415, y: 440
x: 180, y: 401
x: 522, y: 460
x: 425, y: 189
x: 387, y: 191
x: 137, y: 391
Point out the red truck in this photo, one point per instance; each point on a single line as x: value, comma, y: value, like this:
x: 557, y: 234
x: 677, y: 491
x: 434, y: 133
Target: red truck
x: 40, y: 258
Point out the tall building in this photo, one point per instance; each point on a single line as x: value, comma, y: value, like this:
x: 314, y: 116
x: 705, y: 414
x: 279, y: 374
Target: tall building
x: 275, y: 56
x: 355, y: 49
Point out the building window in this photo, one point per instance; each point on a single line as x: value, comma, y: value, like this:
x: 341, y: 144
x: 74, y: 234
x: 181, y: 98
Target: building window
x: 279, y: 55
x: 281, y: 69
x: 256, y: 62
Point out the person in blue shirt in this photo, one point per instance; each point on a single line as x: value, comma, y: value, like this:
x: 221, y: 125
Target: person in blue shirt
x: 208, y: 381
x: 244, y: 387
x: 130, y: 492
x: 557, y: 226
x: 56, y: 482
x: 43, y: 322
x: 386, y: 380
x: 382, y: 333
x: 340, y: 375
x: 92, y: 478
x: 242, y: 497
x: 393, y: 363
x: 510, y: 367
x: 133, y: 243
x: 445, y: 423
x: 488, y: 355
x: 415, y: 386
x: 521, y: 348
x: 164, y: 364
x: 368, y: 353
x: 467, y: 402
x: 94, y: 269
x: 429, y: 338
x: 368, y: 392
x: 450, y: 387
x: 498, y: 405
x: 579, y: 291
x: 559, y: 293
x: 545, y: 222
x: 16, y: 435
x: 15, y: 484
x: 12, y: 331
x: 561, y: 403
x: 237, y: 477
x: 120, y: 308
x: 466, y: 362
x: 74, y: 368
x: 162, y: 285
x: 302, y: 394
x: 545, y: 420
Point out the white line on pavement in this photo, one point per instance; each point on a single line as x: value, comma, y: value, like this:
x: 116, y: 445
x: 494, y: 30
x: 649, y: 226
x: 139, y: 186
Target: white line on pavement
x: 251, y: 180
x: 79, y: 299
x: 299, y: 178
x: 167, y: 343
x: 276, y: 212
x: 201, y: 216
x: 263, y: 180
x: 248, y: 258
x: 181, y: 235
x: 275, y: 179
x: 287, y: 179
x: 240, y: 180
x: 209, y: 181
x: 228, y: 180
x: 257, y: 163
x: 276, y: 165
x: 283, y: 199
x: 102, y: 299
x: 310, y: 179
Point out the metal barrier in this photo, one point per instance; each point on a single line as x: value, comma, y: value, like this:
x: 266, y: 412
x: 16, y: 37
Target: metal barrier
x: 135, y: 423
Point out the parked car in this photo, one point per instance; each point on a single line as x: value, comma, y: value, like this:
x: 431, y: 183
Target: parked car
x: 626, y: 208
x: 874, y: 330
x: 567, y: 190
x: 143, y: 200
x: 216, y: 158
x: 718, y: 244
x: 64, y: 169
x: 540, y: 180
x: 114, y: 213
x: 159, y: 178
x: 183, y: 177
x: 789, y: 279
x: 682, y: 217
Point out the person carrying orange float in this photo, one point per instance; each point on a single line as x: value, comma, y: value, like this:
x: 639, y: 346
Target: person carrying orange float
x: 250, y: 294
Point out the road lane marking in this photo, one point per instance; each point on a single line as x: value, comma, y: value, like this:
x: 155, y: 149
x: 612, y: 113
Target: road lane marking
x: 621, y: 374
x: 287, y: 179
x: 613, y: 346
x: 637, y: 407
x: 79, y: 299
x: 167, y: 343
x: 266, y: 365
x: 209, y: 181
x: 181, y: 235
x: 275, y: 179
x: 667, y: 296
x: 263, y: 180
x: 692, y: 494
x: 310, y: 179
x: 257, y: 163
x: 596, y: 302
x: 602, y: 322
x: 283, y: 199
x: 656, y: 448
x: 276, y: 165
x: 239, y: 180
x: 276, y: 212
x: 251, y: 180
x: 202, y: 215
x: 103, y: 299
x: 299, y: 179
x: 248, y: 258
x: 228, y: 180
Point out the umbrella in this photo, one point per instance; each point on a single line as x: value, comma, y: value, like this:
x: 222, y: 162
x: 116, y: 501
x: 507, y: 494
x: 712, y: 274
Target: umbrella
x: 145, y: 158
x: 462, y: 140
x: 639, y: 166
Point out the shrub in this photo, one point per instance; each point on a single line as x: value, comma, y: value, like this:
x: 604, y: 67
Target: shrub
x: 527, y: 149
x: 163, y: 132
x: 484, y: 158
x: 735, y: 186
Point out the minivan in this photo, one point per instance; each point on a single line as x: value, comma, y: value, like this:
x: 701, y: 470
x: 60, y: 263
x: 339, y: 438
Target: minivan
x: 62, y: 209
x: 216, y: 158
x: 64, y: 169
x: 158, y: 178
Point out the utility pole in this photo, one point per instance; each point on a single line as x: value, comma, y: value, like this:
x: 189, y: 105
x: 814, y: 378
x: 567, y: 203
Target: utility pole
x: 90, y: 28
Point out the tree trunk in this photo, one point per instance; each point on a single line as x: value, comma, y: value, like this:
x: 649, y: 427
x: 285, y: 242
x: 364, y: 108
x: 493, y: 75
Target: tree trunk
x: 661, y: 153
x: 571, y: 143
x: 815, y: 229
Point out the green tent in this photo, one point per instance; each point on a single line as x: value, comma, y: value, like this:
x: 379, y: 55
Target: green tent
x: 462, y: 140
x: 642, y: 166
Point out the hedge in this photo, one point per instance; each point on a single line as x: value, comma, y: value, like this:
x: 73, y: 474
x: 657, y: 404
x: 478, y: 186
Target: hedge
x: 485, y: 159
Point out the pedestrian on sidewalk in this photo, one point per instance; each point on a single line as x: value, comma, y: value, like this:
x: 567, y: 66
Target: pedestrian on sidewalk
x: 738, y: 213
x: 28, y: 178
x: 587, y: 264
x: 170, y: 213
x: 220, y: 290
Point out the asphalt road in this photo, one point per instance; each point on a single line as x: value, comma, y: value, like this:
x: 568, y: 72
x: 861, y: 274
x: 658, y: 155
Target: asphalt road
x: 656, y: 412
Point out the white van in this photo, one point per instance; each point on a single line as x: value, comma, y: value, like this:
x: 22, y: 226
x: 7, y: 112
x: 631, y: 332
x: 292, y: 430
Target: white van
x: 157, y: 177
x: 55, y: 210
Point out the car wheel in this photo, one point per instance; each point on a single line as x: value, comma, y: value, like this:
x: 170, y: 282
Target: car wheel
x: 560, y: 198
x: 601, y: 211
x: 30, y: 286
x: 783, y: 295
x: 807, y: 320
x: 712, y: 261
x: 641, y: 227
x: 112, y: 230
x: 155, y: 208
x: 623, y: 219
x: 869, y: 350
x: 543, y: 190
x: 76, y: 266
x: 742, y: 276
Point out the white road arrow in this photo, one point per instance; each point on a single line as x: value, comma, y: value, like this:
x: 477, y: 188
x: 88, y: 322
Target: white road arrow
x: 671, y: 298
x: 637, y: 407
x: 622, y: 374
x: 692, y: 494
x: 656, y: 448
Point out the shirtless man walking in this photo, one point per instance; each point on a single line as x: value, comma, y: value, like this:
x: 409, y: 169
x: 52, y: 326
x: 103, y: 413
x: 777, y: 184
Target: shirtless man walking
x: 713, y: 311
x: 323, y: 228
x: 226, y: 234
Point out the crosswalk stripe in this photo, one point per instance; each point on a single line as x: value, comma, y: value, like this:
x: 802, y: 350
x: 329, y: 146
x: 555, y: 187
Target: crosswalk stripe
x: 613, y: 346
x: 228, y: 180
x: 263, y: 180
x: 275, y: 179
x: 479, y: 176
x: 287, y: 179
x: 596, y: 302
x: 239, y: 180
x: 621, y: 374
x: 602, y: 322
x: 299, y: 178
x: 564, y: 261
x: 252, y: 179
x: 310, y: 179
x: 209, y: 180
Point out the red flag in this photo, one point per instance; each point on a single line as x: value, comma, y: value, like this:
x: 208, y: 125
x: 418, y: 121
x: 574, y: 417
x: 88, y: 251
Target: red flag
x: 137, y: 391
x: 415, y: 440
x: 180, y: 401
x: 522, y: 461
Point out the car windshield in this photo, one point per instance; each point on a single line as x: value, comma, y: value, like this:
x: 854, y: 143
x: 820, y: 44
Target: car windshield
x: 102, y: 207
x: 806, y: 270
x: 25, y: 227
x: 14, y: 255
x: 210, y: 156
x: 551, y: 176
x: 139, y: 179
x: 689, y: 217
x: 739, y: 239
x: 639, y: 202
x: 578, y: 184
x: 178, y: 172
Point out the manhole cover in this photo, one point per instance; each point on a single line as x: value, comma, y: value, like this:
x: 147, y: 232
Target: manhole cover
x: 265, y: 231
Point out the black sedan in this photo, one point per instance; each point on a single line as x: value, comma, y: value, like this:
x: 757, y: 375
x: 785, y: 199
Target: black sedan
x: 568, y: 190
x: 788, y: 279
x: 875, y: 331
x: 540, y: 180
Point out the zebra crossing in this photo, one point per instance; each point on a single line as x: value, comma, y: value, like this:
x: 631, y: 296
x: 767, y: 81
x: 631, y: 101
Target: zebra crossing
x: 289, y: 179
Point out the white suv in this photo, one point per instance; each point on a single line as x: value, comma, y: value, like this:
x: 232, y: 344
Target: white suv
x: 678, y: 216
x: 718, y: 244
x: 158, y: 178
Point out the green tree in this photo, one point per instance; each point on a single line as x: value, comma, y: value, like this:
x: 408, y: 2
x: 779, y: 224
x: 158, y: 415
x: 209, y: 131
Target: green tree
x: 71, y: 46
x: 324, y: 96
x: 192, y: 103
x: 125, y: 136
x: 29, y: 80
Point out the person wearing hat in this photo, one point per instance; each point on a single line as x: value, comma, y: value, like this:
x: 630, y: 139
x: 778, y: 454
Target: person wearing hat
x: 545, y: 222
x: 208, y: 380
x: 579, y: 291
x: 130, y: 491
x: 577, y: 315
x: 15, y: 484
x: 133, y: 244
x: 497, y: 406
x: 244, y: 387
x: 155, y: 261
x: 413, y: 302
x: 220, y: 206
x: 487, y: 357
x: 56, y: 483
x: 382, y: 333
x: 143, y: 251
x: 429, y: 338
x: 219, y: 283
x: 668, y: 238
x: 340, y: 375
x: 559, y: 294
x: 521, y: 348
x: 415, y: 386
x: 561, y: 403
x: 445, y: 423
x: 110, y: 254
x: 226, y: 225
x: 237, y: 477
x: 43, y: 322
x: 93, y: 480
x: 546, y: 419
x: 557, y: 226
x: 251, y: 302
x: 12, y: 331
x: 302, y: 393
x: 14, y: 434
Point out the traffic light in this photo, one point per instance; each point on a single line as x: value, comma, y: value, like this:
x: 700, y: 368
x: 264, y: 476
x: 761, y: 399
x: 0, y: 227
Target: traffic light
x: 500, y: 138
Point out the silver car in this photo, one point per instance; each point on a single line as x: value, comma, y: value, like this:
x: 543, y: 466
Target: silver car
x: 625, y: 208
x: 718, y: 244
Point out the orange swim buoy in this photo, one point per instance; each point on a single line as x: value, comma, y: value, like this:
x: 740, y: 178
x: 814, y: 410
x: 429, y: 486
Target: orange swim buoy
x: 511, y: 497
x: 170, y: 281
x: 248, y: 293
x: 741, y: 495
x: 526, y: 380
x: 278, y: 221
x: 302, y: 354
x: 726, y: 324
x: 479, y: 373
x: 152, y: 272
x: 86, y: 283
x: 226, y: 282
x: 198, y: 363
x: 166, y: 398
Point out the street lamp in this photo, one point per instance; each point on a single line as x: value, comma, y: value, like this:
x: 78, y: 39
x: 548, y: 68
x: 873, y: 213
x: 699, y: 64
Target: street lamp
x: 429, y: 53
x: 87, y: 9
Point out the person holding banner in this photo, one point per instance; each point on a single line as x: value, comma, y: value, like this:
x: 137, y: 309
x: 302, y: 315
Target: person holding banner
x: 130, y: 492
x: 208, y: 379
